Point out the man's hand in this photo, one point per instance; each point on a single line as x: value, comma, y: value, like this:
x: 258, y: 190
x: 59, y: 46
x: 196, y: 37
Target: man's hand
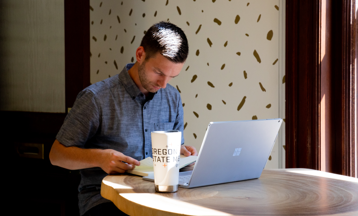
x: 188, y: 150
x: 114, y: 162
x: 75, y: 158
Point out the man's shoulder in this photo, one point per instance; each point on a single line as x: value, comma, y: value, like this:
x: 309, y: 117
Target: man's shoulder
x: 171, y: 90
x: 171, y: 93
x: 102, y: 87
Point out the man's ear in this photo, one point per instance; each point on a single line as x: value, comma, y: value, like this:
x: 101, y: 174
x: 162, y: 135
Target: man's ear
x: 140, y: 54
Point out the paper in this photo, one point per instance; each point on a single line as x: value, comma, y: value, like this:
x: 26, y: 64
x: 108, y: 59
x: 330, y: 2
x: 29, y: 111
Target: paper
x: 146, y: 165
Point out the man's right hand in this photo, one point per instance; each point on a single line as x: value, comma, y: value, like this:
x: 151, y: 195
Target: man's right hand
x: 74, y: 158
x: 114, y: 162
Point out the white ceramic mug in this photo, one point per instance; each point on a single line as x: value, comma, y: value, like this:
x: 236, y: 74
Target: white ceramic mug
x: 166, y: 156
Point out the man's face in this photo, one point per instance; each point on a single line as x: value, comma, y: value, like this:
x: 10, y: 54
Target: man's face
x: 157, y: 71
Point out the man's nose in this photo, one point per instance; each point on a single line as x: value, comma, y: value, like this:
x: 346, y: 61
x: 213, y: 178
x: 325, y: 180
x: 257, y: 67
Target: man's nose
x: 163, y: 82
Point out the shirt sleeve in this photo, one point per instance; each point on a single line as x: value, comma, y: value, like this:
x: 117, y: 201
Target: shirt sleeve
x: 82, y: 122
x: 179, y: 121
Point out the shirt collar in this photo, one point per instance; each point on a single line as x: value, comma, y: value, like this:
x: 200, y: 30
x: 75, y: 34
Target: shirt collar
x: 128, y: 82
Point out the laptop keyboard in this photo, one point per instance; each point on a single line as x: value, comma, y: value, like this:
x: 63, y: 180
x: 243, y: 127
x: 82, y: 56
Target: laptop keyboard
x: 184, y: 179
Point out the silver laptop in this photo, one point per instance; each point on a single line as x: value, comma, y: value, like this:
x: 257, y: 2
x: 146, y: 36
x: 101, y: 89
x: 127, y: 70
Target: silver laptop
x: 232, y: 151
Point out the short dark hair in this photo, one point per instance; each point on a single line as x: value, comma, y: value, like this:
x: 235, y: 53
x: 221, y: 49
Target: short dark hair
x: 167, y: 39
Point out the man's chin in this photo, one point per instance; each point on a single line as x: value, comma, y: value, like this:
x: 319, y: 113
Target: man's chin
x: 154, y: 89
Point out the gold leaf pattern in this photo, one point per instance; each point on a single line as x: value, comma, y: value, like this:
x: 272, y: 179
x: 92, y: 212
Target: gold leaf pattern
x: 247, y: 35
x: 197, y: 52
x: 222, y: 67
x: 115, y: 64
x: 254, y: 117
x: 187, y: 68
x: 133, y: 39
x: 217, y: 21
x: 155, y: 14
x: 183, y: 104
x: 196, y: 114
x: 284, y: 147
x: 257, y: 56
x: 130, y: 12
x: 225, y: 44
x: 269, y: 35
x: 237, y: 19
x: 178, y: 89
x: 194, y: 135
x: 94, y: 38
x: 210, y: 84
x: 122, y: 49
x: 262, y: 87
x: 268, y: 106
x: 275, y: 62
x: 197, y: 31
x: 277, y: 8
x: 223, y: 102
x: 230, y: 84
x: 270, y: 157
x: 258, y: 19
x: 187, y: 23
x: 241, y: 103
x: 238, y: 53
x: 209, y: 42
x: 167, y: 3
x: 283, y: 79
x: 179, y: 11
x: 186, y: 123
x: 196, y: 95
x: 209, y: 106
x: 248, y: 4
x: 194, y: 78
x: 245, y: 75
x: 91, y: 8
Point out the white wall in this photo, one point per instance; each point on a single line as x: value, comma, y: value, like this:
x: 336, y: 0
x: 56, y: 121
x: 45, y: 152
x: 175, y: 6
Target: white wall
x: 227, y: 72
x: 32, y: 56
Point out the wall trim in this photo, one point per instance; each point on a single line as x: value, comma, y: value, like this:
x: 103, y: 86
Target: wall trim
x: 281, y: 85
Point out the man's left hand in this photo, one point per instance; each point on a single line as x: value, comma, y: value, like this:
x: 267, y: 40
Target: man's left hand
x: 188, y: 150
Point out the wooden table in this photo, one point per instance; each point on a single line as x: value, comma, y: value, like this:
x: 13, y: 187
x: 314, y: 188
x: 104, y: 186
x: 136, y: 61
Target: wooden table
x: 276, y: 192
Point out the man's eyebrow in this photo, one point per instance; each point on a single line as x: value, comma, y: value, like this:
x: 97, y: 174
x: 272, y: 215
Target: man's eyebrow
x: 161, y: 72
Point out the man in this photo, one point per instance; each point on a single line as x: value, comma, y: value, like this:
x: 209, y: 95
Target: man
x: 108, y: 130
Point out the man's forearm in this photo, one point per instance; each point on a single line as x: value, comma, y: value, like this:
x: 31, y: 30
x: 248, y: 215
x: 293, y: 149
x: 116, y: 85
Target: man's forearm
x: 74, y: 158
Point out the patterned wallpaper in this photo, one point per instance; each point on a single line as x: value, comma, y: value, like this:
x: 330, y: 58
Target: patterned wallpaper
x: 232, y: 72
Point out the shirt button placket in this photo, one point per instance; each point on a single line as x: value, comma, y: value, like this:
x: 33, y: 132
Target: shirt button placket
x: 145, y: 130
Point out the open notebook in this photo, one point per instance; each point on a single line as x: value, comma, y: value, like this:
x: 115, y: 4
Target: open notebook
x: 146, y: 165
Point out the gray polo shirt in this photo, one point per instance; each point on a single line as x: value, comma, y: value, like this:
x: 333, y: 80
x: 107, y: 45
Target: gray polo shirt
x: 114, y: 114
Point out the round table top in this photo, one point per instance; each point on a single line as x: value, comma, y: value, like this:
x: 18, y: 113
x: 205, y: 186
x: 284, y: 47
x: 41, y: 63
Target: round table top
x: 276, y: 192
